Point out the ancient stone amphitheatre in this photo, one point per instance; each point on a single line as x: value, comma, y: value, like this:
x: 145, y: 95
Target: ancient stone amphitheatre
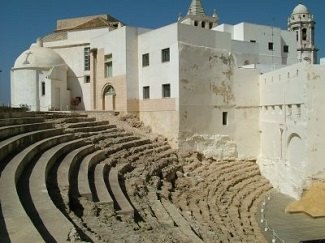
x: 69, y: 177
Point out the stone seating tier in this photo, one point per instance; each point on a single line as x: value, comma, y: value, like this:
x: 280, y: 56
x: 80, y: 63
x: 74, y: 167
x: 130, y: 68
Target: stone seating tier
x: 124, y: 206
x: 45, y: 212
x: 10, y: 195
x: 16, y: 143
x: 10, y: 131
x: 20, y: 121
x: 7, y: 115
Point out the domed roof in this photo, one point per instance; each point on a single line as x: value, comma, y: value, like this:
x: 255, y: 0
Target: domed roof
x: 38, y: 56
x: 300, y: 9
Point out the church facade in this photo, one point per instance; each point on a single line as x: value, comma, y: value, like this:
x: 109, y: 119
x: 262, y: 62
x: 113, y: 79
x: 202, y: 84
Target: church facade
x: 242, y: 91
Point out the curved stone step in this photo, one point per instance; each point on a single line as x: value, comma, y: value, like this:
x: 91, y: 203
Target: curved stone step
x: 125, y: 207
x: 7, y: 115
x: 77, y: 119
x: 44, y: 211
x: 58, y: 115
x: 124, y: 143
x: 17, y: 143
x: 10, y: 131
x: 20, y: 121
x: 241, y: 186
x: 13, y: 211
x: 89, y: 129
x: 110, y: 133
x: 86, y: 124
x: 67, y: 172
x: 180, y: 221
x: 84, y: 187
x: 224, y: 188
x: 101, y: 173
x: 160, y: 212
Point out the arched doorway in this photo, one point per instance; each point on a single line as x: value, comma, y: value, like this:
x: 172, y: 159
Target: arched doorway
x: 296, y: 150
x: 109, y: 98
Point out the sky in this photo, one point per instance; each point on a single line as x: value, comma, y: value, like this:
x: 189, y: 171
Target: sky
x: 23, y: 21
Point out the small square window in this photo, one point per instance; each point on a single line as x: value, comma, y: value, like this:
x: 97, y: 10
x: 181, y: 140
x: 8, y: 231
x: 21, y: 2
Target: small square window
x: 145, y: 60
x: 224, y: 118
x: 210, y: 25
x: 271, y: 46
x: 166, y: 90
x: 165, y: 55
x: 87, y: 79
x: 196, y: 23
x: 203, y: 24
x: 146, y: 92
x: 285, y: 48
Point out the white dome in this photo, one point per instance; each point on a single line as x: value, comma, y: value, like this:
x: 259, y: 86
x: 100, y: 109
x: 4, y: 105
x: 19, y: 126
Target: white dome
x: 38, y: 57
x: 300, y: 9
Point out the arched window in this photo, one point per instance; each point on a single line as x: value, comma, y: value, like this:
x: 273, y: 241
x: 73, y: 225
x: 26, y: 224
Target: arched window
x: 304, y: 34
x: 109, y: 90
x: 297, y: 35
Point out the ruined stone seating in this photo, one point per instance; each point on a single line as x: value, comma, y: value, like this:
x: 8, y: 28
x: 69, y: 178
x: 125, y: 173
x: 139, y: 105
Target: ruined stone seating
x: 97, y: 162
x: 10, y: 131
x: 61, y: 115
x: 12, y: 209
x: 20, y: 121
x: 27, y: 135
x: 84, y: 185
x: 16, y: 114
x: 86, y: 170
x: 87, y: 129
x: 86, y: 124
x: 160, y: 212
x: 16, y: 143
x: 76, y: 119
x: 230, y: 192
x: 36, y: 207
x: 180, y: 221
x: 68, y: 168
x: 125, y: 207
x: 45, y: 212
x: 101, y: 180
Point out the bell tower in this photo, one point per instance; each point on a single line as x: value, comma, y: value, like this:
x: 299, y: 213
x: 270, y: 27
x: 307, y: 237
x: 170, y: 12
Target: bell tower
x: 196, y: 16
x: 302, y: 22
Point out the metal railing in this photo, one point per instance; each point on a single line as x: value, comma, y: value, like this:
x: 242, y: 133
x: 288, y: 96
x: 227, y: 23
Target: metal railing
x: 265, y: 223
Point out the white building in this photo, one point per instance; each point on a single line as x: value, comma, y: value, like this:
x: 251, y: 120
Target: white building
x: 242, y: 91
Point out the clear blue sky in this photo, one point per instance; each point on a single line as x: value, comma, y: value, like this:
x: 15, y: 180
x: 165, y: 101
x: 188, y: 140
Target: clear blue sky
x: 22, y: 21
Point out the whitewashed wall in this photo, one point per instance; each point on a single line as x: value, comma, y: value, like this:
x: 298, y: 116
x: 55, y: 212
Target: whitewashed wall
x: 292, y: 137
x: 262, y: 35
x: 158, y: 72
x: 158, y: 112
x: 25, y: 82
x: 72, y: 51
x: 114, y: 43
x: 315, y: 84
